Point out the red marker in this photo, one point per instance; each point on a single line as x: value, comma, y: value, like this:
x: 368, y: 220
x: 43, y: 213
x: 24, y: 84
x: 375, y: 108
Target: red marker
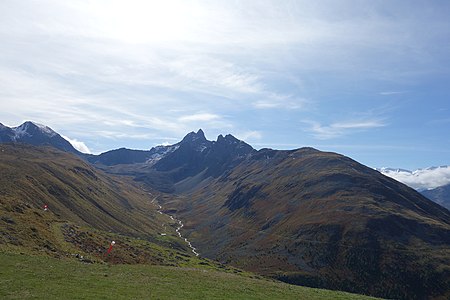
x: 45, y: 207
x: 110, y: 247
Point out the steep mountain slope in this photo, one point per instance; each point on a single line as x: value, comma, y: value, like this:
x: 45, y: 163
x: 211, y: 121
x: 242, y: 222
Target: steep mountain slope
x: 440, y: 195
x: 322, y: 219
x: 35, y: 134
x: 72, y: 189
x: 86, y: 210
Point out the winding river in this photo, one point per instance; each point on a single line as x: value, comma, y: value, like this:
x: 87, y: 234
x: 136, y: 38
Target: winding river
x: 178, y: 230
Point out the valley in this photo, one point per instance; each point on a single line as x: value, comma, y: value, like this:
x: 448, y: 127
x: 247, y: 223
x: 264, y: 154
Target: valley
x: 302, y: 216
x: 177, y: 230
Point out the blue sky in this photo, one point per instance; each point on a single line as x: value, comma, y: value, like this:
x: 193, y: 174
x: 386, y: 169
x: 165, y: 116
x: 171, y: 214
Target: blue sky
x: 368, y: 79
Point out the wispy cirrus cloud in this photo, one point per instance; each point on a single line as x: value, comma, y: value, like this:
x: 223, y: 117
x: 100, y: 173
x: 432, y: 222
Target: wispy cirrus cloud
x: 249, y: 135
x: 389, y: 93
x: 199, y: 117
x: 338, y: 129
x: 213, y: 75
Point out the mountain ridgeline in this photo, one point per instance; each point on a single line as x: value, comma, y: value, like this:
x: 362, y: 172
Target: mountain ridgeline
x: 177, y: 167
x: 302, y: 216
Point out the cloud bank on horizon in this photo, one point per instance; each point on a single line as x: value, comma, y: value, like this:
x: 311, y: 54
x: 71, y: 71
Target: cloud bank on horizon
x: 369, y: 79
x: 421, y: 179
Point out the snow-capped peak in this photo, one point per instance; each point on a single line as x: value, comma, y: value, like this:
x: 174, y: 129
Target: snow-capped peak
x: 387, y: 170
x: 27, y: 129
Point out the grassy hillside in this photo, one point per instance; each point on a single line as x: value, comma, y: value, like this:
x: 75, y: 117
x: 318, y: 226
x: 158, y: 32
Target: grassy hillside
x: 38, y: 277
x: 86, y: 211
x: 73, y: 190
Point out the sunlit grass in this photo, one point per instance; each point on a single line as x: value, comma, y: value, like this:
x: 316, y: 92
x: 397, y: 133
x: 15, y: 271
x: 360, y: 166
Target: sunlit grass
x: 39, y: 277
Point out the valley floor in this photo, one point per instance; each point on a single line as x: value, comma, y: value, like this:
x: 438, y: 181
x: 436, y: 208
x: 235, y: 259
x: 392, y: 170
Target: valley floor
x: 39, y: 277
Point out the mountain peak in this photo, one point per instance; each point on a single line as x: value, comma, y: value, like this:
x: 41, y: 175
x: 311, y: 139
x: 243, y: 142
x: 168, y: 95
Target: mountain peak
x: 30, y: 127
x: 195, y: 136
x: 200, y: 132
x: 228, y: 138
x: 35, y: 134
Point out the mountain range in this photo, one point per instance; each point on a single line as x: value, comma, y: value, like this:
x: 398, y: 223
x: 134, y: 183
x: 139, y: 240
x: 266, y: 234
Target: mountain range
x: 302, y: 216
x: 431, y: 182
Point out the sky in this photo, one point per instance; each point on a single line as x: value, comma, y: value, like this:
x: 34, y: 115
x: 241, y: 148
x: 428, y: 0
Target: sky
x: 367, y: 79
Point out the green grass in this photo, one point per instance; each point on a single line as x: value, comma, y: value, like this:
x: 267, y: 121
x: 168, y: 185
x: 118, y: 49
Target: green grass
x: 41, y: 277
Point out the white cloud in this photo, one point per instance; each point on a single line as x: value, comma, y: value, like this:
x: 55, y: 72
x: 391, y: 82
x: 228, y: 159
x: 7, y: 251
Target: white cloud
x: 200, y: 117
x: 80, y: 146
x: 334, y: 130
x: 249, y: 135
x: 392, y: 93
x: 211, y: 75
x: 421, y: 179
x: 358, y: 124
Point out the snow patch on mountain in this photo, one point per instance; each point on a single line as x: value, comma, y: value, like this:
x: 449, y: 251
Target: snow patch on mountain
x: 45, y: 129
x: 421, y: 179
x: 19, y: 131
x: 160, y: 152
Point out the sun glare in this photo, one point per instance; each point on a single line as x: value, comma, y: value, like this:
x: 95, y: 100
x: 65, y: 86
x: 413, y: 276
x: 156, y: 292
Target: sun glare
x: 141, y: 21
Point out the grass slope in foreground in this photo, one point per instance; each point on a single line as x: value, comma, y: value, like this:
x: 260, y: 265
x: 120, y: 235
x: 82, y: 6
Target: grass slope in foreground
x: 40, y: 277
